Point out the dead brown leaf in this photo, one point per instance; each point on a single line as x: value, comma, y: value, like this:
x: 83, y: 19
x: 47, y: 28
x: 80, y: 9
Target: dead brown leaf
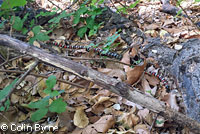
x: 80, y: 118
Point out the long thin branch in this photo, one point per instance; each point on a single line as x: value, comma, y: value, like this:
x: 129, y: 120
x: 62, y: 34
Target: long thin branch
x: 43, y: 76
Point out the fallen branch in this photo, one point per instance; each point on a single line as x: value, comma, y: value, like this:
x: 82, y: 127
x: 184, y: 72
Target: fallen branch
x: 102, y: 80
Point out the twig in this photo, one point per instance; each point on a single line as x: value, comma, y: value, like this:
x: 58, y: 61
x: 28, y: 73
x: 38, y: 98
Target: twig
x: 74, y: 2
x: 115, y: 6
x: 188, y: 16
x: 153, y: 123
x: 13, y: 59
x: 54, y: 4
x: 99, y: 59
x: 40, y: 75
x: 20, y: 80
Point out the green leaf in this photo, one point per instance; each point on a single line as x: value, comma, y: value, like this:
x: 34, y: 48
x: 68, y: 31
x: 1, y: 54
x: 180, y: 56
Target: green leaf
x: 2, y: 108
x: 91, y: 32
x: 12, y: 3
x: 42, y: 36
x: 134, y: 4
x: 101, y: 1
x: 58, y: 18
x: 93, y: 2
x: 7, y: 104
x: 6, y: 90
x: 58, y: 106
x: 39, y: 114
x: 36, y: 29
x: 82, y: 9
x: 18, y: 23
x: 24, y: 31
x: 160, y: 122
x: 90, y: 22
x: 197, y: 0
x: 76, y: 19
x: 40, y: 103
x: 179, y: 12
x: 47, y: 91
x: 51, y: 81
x: 38, y: 35
x: 2, y: 24
x: 82, y: 31
x: 54, y: 93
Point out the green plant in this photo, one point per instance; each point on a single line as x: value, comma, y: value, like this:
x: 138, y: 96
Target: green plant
x: 109, y: 41
x: 18, y: 23
x: 43, y: 105
x: 91, y: 12
x: 38, y: 35
x: 124, y: 8
x: 9, y: 4
x: 4, y: 93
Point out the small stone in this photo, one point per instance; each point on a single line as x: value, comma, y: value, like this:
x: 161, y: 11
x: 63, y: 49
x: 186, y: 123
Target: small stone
x: 178, y: 47
x: 116, y: 106
x: 155, y: 51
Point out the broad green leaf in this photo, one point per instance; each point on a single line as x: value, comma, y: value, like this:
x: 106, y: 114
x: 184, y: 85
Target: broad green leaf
x: 39, y: 114
x: 38, y: 35
x: 12, y: 3
x: 36, y: 29
x: 82, y: 10
x: 42, y: 36
x: 197, y: 0
x: 32, y: 40
x: 40, y: 103
x: 18, y: 23
x: 47, y: 91
x: 82, y: 31
x: 76, y: 19
x: 90, y: 22
x: 6, y: 90
x: 24, y: 31
x: 51, y: 81
x: 58, y: 106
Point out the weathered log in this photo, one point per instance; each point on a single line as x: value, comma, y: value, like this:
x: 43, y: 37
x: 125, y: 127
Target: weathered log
x: 102, y: 80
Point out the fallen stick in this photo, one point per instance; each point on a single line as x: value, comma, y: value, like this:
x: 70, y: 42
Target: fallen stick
x: 102, y: 80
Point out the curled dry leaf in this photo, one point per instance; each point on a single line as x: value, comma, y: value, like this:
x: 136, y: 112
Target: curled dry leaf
x: 80, y: 118
x: 133, y: 74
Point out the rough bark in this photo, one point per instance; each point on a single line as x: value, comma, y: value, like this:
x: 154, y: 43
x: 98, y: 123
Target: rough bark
x: 102, y: 80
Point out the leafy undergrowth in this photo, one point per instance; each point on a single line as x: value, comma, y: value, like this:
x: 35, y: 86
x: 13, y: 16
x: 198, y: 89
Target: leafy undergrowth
x: 87, y: 108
